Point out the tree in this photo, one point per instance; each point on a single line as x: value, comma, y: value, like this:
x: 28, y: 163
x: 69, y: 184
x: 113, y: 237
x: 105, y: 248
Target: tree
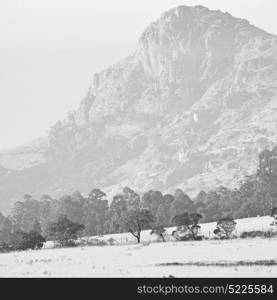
x: 45, y: 206
x: 267, y: 169
x: 152, y: 200
x: 25, y: 213
x: 274, y: 216
x: 195, y: 218
x: 5, y: 233
x: 176, y: 207
x: 167, y: 200
x: 162, y: 216
x: 118, y: 205
x: 21, y: 240
x: 117, y: 208
x: 36, y: 228
x: 212, y: 210
x: 136, y: 220
x: 96, y: 195
x: 188, y: 224
x: 274, y: 211
x: 181, y: 204
x: 35, y: 240
x: 95, y: 212
x: 159, y: 231
x: 17, y: 239
x: 201, y: 197
x: 182, y: 197
x: 132, y: 198
x: 69, y: 207
x: 27, y: 197
x: 236, y: 203
x: 64, y: 231
x: 225, y: 226
x: 78, y: 197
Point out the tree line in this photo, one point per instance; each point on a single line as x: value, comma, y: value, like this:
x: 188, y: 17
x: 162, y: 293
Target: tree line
x: 78, y: 215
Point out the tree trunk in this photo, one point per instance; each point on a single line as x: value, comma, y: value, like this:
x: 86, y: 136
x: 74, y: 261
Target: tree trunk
x: 138, y: 238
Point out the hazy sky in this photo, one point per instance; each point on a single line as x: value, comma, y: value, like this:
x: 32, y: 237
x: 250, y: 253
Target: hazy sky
x: 49, y: 50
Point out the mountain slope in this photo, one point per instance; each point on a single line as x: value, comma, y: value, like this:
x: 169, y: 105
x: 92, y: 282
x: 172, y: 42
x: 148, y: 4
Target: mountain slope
x: 191, y: 108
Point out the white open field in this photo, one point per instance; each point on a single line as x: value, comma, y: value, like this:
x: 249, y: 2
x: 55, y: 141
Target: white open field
x: 208, y: 258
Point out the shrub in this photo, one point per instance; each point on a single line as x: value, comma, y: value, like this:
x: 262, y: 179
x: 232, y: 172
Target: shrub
x: 95, y: 242
x: 257, y: 233
x: 102, y: 243
x: 225, y: 227
x: 111, y: 241
x: 251, y: 234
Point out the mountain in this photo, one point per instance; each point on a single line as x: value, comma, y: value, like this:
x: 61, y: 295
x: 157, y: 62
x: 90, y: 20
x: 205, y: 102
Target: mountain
x: 191, y: 108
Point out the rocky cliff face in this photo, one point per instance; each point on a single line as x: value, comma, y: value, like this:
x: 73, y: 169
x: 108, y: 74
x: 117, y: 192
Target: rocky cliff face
x: 191, y: 108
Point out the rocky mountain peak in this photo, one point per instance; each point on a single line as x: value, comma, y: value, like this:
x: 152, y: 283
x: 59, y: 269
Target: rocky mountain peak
x: 191, y: 108
x: 191, y: 47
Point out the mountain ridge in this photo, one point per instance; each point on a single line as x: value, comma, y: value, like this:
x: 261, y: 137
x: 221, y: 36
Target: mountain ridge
x: 190, y: 108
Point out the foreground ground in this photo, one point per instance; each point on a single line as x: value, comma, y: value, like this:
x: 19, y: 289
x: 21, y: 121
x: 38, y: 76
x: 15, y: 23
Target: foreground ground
x: 209, y: 258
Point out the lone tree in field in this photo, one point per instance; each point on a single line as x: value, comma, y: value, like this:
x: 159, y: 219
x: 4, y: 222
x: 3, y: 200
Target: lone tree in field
x: 136, y: 220
x: 159, y: 232
x: 187, y: 225
x: 225, y: 227
x: 64, y: 231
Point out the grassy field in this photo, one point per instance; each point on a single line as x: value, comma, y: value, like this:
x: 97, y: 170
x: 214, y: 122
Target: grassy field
x: 255, y: 257
x: 210, y: 258
x: 243, y: 225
